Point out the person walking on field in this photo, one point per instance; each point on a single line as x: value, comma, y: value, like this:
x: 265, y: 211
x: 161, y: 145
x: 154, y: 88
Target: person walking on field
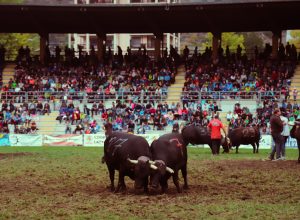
x: 215, y: 126
x: 276, y: 130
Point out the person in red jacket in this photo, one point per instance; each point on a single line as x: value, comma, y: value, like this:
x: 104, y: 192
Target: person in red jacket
x: 215, y: 126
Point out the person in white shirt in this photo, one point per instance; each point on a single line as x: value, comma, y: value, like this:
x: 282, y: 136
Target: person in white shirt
x: 229, y: 116
x: 285, y: 133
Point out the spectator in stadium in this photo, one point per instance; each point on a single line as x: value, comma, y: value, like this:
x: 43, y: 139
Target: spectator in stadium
x: 46, y: 109
x: 68, y: 128
x: 130, y: 127
x: 295, y: 94
x: 33, y: 128
x: 175, y: 128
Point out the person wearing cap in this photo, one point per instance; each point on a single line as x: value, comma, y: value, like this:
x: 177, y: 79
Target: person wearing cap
x: 215, y: 126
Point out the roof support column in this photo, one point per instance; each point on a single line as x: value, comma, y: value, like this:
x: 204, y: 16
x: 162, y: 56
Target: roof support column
x: 87, y: 43
x: 44, y: 39
x: 101, y: 39
x: 216, y: 42
x: 158, y: 45
x: 275, y: 43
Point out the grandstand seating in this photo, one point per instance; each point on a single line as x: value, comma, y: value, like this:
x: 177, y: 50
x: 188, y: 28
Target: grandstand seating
x: 8, y: 73
x: 295, y: 82
x: 47, y: 123
x: 80, y: 84
x: 175, y: 90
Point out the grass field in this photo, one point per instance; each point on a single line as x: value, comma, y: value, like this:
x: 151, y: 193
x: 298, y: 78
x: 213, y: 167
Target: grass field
x: 71, y: 183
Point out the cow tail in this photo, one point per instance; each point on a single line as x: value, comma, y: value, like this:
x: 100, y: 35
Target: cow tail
x: 258, y: 129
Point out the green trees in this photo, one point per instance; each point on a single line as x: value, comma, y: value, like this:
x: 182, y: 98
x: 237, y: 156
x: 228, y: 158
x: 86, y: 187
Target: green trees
x: 247, y: 41
x: 13, y: 41
x: 230, y: 39
x: 295, y: 38
x: 11, y: 1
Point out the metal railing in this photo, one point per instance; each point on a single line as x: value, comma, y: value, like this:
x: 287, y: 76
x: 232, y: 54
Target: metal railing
x: 143, y: 97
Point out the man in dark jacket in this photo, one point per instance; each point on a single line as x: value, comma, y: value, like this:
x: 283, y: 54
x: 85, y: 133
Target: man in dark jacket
x: 276, y: 129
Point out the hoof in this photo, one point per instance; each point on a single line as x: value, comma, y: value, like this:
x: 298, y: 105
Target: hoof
x: 179, y: 190
x: 111, y: 188
x: 120, y: 189
x: 186, y: 187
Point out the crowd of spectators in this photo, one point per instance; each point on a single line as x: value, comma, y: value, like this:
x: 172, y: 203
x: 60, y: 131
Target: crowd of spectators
x: 139, y: 87
x: 130, y: 77
x: 124, y: 116
x: 21, y: 117
x: 235, y: 76
x: 242, y: 117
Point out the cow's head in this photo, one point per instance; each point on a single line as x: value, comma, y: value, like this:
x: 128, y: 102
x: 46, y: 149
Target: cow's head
x: 142, y: 170
x: 226, y: 144
x: 159, y: 173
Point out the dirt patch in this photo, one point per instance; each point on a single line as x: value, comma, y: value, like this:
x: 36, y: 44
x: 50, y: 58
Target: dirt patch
x: 12, y: 155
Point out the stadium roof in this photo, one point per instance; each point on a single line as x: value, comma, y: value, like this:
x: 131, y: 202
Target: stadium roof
x: 209, y: 16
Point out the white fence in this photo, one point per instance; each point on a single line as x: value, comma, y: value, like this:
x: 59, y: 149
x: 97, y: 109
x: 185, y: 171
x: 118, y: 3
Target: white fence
x: 97, y: 140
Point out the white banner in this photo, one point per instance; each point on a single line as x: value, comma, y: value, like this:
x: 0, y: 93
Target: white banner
x: 97, y: 140
x: 94, y: 140
x: 291, y: 143
x: 150, y: 137
x: 63, y: 140
x: 31, y: 140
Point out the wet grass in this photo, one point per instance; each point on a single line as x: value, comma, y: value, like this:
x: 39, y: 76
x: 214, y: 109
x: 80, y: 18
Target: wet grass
x: 71, y: 183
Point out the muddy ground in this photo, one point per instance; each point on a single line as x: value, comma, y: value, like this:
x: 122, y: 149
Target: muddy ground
x: 76, y: 188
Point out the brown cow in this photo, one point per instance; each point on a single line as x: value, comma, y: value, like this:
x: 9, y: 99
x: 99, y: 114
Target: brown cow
x: 242, y: 135
x: 295, y: 133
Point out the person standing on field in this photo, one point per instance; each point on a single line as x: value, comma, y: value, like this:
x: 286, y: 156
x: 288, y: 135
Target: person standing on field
x: 215, y: 126
x: 276, y: 130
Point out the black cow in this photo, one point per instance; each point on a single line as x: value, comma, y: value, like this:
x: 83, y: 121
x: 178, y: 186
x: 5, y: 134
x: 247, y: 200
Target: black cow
x: 295, y: 133
x: 201, y: 135
x: 244, y: 135
x: 130, y: 155
x: 169, y: 154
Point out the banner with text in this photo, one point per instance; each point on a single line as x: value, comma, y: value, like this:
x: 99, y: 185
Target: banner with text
x: 31, y: 140
x: 63, y: 140
x: 291, y: 143
x: 4, y: 140
x: 97, y: 140
x: 94, y: 140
